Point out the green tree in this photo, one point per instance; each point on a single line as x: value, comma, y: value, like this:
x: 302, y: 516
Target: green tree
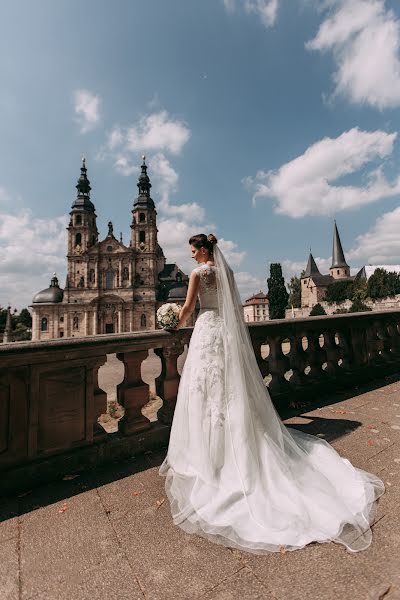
x: 359, y: 306
x: 338, y: 291
x: 295, y: 291
x: 277, y: 292
x: 382, y: 284
x: 317, y: 310
x: 360, y: 290
x: 25, y: 318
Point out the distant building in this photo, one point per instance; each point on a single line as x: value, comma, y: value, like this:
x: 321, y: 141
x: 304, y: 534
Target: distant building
x: 110, y: 287
x: 255, y: 308
x: 314, y: 284
x: 368, y: 270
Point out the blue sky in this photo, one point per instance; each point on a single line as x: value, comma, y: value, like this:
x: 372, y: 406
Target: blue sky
x: 262, y: 120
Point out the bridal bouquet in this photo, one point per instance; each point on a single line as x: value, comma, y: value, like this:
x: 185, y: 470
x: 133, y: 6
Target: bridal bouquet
x: 168, y: 315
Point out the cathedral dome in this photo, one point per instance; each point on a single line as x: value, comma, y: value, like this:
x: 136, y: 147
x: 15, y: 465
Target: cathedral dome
x: 52, y: 294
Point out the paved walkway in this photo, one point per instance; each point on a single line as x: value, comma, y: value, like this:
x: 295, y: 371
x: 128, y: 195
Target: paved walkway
x: 108, y: 534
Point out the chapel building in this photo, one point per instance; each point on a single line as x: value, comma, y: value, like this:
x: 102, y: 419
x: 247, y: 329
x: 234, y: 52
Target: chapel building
x: 314, y: 283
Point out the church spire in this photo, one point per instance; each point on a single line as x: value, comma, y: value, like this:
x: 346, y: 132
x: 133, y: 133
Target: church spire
x: 311, y: 268
x: 338, y: 259
x: 83, y: 190
x: 144, y: 187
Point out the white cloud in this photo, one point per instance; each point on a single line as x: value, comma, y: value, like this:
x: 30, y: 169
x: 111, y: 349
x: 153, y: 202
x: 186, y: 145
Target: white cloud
x: 248, y: 284
x: 364, y: 37
x: 380, y: 245
x: 266, y: 10
x: 26, y: 272
x: 305, y: 185
x: 86, y: 106
x: 158, y: 132
x: 165, y: 181
x: 123, y: 165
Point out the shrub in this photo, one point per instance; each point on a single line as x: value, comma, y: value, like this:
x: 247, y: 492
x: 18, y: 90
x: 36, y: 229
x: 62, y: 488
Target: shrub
x: 317, y: 310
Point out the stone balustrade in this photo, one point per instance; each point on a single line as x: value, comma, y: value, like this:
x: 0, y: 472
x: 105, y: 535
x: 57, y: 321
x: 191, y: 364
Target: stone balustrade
x: 50, y: 399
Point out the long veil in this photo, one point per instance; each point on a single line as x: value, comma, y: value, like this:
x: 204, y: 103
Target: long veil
x: 234, y: 473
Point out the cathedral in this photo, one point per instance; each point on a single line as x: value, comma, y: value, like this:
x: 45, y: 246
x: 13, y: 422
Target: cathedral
x: 110, y: 287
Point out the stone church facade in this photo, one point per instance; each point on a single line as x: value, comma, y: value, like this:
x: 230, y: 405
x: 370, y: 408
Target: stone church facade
x: 314, y: 283
x: 110, y: 287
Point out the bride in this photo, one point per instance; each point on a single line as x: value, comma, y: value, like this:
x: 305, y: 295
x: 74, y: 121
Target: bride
x: 234, y: 473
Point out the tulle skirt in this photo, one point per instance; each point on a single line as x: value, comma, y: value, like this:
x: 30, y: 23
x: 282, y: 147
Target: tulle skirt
x: 246, y: 481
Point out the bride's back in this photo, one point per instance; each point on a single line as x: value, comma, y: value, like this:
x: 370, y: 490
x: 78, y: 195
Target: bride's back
x: 207, y: 286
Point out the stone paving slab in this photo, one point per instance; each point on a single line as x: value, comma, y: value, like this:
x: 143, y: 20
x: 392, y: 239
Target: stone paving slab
x: 109, y: 534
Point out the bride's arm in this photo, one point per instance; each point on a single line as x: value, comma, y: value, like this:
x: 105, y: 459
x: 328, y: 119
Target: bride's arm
x: 190, y: 301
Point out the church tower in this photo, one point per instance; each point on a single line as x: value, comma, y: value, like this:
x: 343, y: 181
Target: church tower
x: 82, y: 229
x: 144, y: 244
x: 339, y: 268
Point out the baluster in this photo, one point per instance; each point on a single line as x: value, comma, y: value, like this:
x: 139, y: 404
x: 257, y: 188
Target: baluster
x: 317, y: 356
x: 167, y: 383
x: 278, y: 365
x: 99, y: 395
x: 333, y: 353
x: 133, y: 393
x: 297, y: 361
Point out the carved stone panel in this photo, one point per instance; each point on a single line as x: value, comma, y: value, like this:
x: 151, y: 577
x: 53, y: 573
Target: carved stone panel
x: 62, y: 404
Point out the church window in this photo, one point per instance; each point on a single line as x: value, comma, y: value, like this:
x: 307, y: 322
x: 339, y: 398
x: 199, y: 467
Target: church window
x: 43, y: 324
x: 109, y: 279
x: 142, y: 218
x: 78, y: 239
x: 78, y: 219
x: 61, y: 319
x: 142, y: 236
x: 109, y: 248
x: 61, y: 334
x: 143, y: 321
x: 338, y: 271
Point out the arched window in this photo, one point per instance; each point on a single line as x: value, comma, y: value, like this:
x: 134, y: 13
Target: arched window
x: 109, y: 279
x: 142, y: 218
x: 78, y: 239
x: 43, y: 324
x: 143, y: 321
x: 142, y: 236
x: 78, y: 219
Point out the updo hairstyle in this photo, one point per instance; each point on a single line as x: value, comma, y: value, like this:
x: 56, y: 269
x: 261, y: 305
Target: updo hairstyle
x: 202, y: 240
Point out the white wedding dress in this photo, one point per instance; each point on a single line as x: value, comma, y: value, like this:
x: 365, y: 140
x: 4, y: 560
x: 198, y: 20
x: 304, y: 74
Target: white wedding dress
x: 235, y: 474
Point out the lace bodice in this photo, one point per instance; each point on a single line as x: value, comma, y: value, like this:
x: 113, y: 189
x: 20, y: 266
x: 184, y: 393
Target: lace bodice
x: 208, y: 286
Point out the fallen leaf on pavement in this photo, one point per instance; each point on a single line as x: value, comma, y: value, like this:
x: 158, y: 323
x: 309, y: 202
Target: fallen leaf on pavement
x: 160, y: 502
x: 63, y: 508
x: 282, y: 550
x: 136, y: 493
x: 371, y: 442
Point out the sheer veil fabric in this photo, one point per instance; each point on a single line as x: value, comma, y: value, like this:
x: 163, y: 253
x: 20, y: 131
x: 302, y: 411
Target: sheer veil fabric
x: 234, y: 473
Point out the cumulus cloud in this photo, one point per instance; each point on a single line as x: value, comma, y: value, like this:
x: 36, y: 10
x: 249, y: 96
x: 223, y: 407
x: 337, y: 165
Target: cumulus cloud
x: 27, y: 272
x: 306, y: 185
x: 165, y: 181
x: 266, y: 10
x: 158, y: 131
x: 86, y: 106
x: 364, y: 37
x: 381, y: 244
